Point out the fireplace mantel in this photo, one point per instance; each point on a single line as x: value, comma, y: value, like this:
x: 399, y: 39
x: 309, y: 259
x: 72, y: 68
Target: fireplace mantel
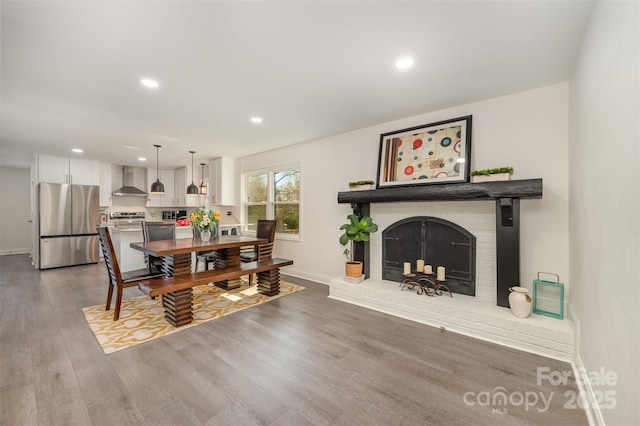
x: 527, y: 188
x: 507, y: 195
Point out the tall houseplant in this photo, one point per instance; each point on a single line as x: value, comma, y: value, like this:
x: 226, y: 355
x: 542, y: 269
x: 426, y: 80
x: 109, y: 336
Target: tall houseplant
x: 355, y: 230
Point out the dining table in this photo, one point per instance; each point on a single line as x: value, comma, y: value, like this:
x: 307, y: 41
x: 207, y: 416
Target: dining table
x: 181, y: 276
x: 177, y: 253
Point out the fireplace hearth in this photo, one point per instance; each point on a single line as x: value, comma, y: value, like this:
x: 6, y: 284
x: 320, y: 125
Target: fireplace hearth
x: 438, y: 242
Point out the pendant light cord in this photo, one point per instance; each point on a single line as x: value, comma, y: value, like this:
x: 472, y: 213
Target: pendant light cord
x: 157, y: 161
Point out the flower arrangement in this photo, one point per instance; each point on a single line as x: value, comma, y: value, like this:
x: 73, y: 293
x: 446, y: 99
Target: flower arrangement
x: 204, y: 219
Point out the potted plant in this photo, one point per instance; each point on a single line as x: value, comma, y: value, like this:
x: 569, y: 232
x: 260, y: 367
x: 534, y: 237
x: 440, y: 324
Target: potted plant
x: 355, y: 230
x: 361, y: 185
x: 489, y: 175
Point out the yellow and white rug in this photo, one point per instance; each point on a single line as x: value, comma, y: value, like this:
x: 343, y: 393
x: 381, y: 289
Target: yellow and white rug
x: 142, y: 319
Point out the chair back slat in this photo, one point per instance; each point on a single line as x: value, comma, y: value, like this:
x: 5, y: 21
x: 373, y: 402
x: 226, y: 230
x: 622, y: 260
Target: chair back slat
x: 265, y: 251
x: 109, y: 254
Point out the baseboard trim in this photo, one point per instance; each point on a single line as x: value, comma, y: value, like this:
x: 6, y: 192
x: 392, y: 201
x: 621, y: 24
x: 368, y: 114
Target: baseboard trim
x: 10, y: 252
x: 320, y: 279
x: 589, y: 402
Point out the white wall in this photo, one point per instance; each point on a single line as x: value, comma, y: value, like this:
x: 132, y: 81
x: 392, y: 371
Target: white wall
x: 605, y: 204
x: 526, y: 130
x: 15, y: 232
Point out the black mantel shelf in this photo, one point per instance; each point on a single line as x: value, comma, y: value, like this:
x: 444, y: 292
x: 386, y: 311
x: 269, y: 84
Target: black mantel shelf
x: 507, y: 196
x: 527, y: 188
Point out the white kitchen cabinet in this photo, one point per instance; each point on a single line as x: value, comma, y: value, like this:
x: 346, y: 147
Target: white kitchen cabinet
x: 67, y: 170
x: 104, y: 179
x: 180, y: 181
x: 167, y: 177
x: 222, y: 182
x: 84, y: 172
x: 53, y: 169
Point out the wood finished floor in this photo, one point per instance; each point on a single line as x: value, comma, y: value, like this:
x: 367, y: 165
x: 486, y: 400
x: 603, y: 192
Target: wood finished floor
x: 300, y: 360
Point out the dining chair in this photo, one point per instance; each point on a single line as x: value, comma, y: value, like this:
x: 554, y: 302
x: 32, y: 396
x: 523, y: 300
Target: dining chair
x: 117, y: 279
x: 266, y: 229
x: 156, y: 231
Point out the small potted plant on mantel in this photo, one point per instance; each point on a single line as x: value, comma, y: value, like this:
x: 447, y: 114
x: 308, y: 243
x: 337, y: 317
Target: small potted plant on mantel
x: 361, y: 185
x: 491, y: 175
x: 355, y: 230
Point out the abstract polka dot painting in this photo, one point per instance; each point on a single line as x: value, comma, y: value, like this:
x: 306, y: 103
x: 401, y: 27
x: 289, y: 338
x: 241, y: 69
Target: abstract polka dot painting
x: 433, y: 153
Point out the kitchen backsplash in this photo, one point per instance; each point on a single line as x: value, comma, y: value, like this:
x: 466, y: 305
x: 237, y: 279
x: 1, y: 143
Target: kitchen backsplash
x: 128, y: 203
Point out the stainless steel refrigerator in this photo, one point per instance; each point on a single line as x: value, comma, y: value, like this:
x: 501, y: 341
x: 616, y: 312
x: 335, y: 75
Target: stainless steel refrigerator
x: 68, y: 216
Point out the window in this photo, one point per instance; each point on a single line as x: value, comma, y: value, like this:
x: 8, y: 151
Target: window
x: 273, y: 194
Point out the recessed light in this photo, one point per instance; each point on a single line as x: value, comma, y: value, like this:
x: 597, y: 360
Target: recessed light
x: 403, y: 63
x: 256, y: 120
x: 150, y: 83
x: 76, y: 150
x: 142, y: 159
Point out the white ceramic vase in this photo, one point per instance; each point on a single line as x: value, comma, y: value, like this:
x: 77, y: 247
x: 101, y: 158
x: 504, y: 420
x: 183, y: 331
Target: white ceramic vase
x: 205, y: 235
x: 520, y: 302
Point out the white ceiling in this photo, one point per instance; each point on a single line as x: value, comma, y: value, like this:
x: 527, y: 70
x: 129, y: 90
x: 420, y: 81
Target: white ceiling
x: 71, y: 70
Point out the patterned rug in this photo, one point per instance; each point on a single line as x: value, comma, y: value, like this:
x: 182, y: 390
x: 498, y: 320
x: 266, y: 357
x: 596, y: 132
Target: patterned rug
x: 142, y: 319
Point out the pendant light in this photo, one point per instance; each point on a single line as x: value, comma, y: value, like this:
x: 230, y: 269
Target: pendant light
x: 157, y: 187
x: 203, y: 186
x: 192, y: 189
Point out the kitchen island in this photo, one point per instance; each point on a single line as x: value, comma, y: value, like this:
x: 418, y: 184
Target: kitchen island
x: 128, y: 258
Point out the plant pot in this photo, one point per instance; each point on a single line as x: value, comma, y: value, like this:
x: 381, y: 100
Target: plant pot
x: 353, y: 269
x: 491, y: 178
x: 366, y: 187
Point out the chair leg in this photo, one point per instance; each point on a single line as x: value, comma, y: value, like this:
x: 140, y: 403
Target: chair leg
x: 116, y: 314
x: 109, y: 296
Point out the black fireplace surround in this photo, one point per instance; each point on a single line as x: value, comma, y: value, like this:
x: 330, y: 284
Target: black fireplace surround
x: 439, y: 243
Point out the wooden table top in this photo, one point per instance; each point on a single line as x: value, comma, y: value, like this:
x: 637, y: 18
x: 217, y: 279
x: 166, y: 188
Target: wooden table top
x: 188, y: 245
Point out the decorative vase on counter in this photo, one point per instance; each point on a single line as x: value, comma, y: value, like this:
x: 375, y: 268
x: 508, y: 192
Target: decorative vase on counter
x: 520, y: 302
x: 205, y: 235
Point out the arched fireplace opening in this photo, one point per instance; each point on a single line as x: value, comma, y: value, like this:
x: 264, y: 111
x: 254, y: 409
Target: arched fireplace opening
x: 439, y: 243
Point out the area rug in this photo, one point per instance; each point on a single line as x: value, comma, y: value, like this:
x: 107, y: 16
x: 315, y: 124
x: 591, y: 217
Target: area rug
x: 142, y: 319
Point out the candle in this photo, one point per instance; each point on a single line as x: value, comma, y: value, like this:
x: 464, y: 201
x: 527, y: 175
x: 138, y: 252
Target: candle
x: 420, y: 265
x: 428, y: 269
x: 440, y: 273
x: 407, y: 268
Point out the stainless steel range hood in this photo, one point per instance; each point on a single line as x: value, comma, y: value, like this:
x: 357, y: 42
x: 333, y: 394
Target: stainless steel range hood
x: 131, y: 177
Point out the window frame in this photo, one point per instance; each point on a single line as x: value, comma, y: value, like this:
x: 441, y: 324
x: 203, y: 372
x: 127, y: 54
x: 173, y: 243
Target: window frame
x: 270, y: 203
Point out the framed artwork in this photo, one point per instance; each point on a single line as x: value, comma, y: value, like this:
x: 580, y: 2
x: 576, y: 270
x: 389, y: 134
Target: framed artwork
x: 429, y: 154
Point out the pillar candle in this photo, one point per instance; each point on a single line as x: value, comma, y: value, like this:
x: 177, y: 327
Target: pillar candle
x: 420, y: 265
x: 440, y: 273
x: 428, y: 269
x: 407, y: 268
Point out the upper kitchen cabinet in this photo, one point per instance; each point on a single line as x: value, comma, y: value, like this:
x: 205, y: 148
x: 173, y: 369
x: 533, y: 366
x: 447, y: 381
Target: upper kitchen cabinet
x: 67, y: 170
x: 183, y: 178
x: 222, y: 182
x: 167, y: 177
x: 104, y: 179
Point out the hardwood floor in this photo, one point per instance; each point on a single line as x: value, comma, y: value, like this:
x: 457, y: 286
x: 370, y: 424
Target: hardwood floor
x: 300, y: 360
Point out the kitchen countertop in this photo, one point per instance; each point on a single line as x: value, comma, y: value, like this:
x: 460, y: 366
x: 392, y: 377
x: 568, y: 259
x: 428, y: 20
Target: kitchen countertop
x: 139, y: 227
